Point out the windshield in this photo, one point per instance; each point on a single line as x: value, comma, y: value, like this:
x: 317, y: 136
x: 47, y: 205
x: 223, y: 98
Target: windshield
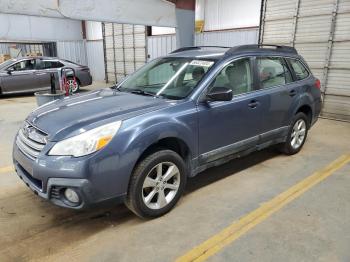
x: 170, y: 77
x: 6, y: 63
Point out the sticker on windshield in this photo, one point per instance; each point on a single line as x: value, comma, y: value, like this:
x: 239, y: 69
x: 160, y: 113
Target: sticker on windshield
x: 202, y: 63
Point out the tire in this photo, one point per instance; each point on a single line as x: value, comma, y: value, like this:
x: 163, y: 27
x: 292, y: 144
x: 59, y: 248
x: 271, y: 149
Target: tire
x: 297, y: 134
x: 76, y: 87
x: 146, y: 185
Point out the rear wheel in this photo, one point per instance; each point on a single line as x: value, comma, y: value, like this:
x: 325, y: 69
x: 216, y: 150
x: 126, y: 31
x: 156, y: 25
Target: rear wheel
x: 297, y: 134
x: 156, y: 184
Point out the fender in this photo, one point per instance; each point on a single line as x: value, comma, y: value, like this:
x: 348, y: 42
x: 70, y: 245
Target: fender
x: 154, y: 130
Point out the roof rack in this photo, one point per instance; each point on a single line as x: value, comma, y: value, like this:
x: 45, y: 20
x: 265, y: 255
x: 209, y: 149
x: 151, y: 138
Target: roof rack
x: 279, y: 48
x: 187, y: 48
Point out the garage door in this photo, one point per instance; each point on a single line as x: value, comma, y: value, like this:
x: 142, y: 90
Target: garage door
x: 320, y: 31
x: 125, y: 49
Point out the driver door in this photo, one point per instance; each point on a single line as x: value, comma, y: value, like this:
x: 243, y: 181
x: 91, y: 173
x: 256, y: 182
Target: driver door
x: 228, y: 127
x: 21, y: 77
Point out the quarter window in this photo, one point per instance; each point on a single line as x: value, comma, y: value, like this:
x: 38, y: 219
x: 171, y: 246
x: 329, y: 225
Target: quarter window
x: 299, y: 69
x: 273, y: 72
x: 236, y: 76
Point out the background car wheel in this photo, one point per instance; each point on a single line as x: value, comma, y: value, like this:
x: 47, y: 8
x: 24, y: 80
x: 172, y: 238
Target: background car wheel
x: 156, y: 184
x: 296, y: 135
x: 73, y: 85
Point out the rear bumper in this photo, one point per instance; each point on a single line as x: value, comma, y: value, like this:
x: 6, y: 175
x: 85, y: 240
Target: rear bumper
x: 85, y: 79
x: 317, y: 111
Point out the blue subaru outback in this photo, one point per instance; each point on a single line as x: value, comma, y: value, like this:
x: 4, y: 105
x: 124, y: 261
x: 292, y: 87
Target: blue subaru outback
x: 138, y: 141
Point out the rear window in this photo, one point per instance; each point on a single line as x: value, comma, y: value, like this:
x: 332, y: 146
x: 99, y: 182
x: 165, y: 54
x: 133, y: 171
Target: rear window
x: 51, y: 64
x: 273, y: 72
x: 299, y: 69
x: 70, y: 62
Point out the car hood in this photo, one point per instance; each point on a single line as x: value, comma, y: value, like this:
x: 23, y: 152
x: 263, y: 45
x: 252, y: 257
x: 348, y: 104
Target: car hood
x: 66, y: 117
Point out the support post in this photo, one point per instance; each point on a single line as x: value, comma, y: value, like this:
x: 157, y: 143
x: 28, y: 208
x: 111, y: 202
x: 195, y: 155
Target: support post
x: 185, y: 19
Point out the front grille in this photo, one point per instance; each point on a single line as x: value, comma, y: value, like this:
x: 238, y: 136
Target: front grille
x: 30, y: 140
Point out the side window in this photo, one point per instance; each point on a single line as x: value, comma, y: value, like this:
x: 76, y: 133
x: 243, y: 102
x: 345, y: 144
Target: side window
x: 299, y: 69
x: 273, y: 72
x: 24, y: 65
x: 236, y: 76
x: 51, y: 64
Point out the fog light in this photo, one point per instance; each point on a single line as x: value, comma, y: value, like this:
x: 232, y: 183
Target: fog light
x: 71, y: 195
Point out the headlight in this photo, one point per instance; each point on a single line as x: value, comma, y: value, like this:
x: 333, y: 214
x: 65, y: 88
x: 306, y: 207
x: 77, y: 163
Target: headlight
x: 87, y: 142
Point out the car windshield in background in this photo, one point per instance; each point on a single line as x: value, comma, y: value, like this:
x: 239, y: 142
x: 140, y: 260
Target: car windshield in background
x: 6, y: 63
x: 172, y: 78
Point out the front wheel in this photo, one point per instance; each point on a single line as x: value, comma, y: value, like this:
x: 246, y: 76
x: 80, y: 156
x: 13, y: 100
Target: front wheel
x: 296, y: 135
x: 73, y: 84
x: 156, y: 184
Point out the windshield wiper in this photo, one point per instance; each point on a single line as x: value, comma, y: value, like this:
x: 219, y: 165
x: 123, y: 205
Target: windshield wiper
x: 115, y: 87
x: 142, y: 92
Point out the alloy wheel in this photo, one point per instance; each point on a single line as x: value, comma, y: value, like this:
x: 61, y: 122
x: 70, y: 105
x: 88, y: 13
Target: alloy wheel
x: 161, y: 185
x: 73, y: 85
x: 298, y: 134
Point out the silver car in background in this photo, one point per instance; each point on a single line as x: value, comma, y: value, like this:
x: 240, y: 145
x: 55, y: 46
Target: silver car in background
x: 28, y: 74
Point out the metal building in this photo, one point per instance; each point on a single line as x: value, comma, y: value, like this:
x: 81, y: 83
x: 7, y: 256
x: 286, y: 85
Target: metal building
x: 320, y: 31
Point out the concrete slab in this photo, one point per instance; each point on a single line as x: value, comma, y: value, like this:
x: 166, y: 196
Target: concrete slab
x: 314, y: 227
x: 33, y: 229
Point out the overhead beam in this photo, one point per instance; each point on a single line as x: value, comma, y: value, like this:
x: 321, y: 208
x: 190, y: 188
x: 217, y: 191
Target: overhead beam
x: 141, y: 12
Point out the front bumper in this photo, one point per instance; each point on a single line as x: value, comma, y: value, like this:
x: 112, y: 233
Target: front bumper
x: 55, y: 187
x: 48, y: 177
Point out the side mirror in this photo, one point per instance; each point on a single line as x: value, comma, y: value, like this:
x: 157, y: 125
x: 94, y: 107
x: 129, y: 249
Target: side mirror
x: 10, y: 70
x: 220, y: 94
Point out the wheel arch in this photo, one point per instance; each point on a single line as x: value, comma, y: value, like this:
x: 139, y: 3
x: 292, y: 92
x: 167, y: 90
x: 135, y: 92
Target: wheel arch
x: 307, y: 110
x: 172, y: 143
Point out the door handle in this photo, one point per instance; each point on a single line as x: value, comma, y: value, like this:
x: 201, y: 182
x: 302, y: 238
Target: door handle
x: 40, y: 74
x: 253, y: 104
x: 292, y: 92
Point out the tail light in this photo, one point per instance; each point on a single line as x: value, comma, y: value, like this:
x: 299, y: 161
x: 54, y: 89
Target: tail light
x: 318, y: 83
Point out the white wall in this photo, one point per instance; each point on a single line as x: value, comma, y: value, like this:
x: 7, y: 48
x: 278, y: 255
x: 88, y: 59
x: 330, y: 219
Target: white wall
x: 93, y: 30
x: 162, y: 45
x: 228, y: 14
x: 228, y: 37
x: 94, y: 50
x: 156, y: 30
x: 32, y: 28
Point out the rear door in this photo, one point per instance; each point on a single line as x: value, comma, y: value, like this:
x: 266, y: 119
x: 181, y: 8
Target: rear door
x: 280, y: 96
x: 44, y: 69
x: 22, y: 77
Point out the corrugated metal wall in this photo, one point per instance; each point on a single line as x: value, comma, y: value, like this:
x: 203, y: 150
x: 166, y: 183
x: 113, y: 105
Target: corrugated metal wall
x: 74, y: 51
x: 4, y: 48
x: 125, y: 49
x: 320, y: 31
x: 162, y: 45
x: 95, y: 59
